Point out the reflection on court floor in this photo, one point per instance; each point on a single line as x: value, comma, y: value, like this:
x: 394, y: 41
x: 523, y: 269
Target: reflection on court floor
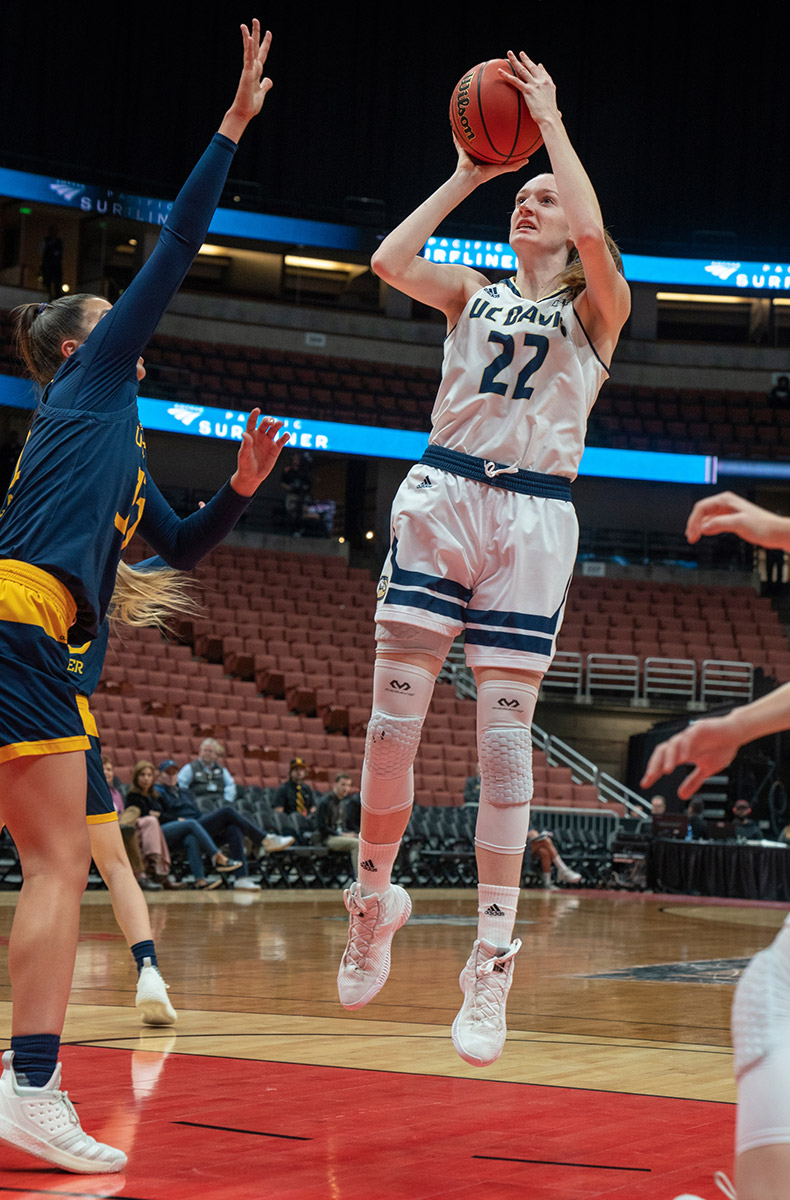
x: 616, y: 1080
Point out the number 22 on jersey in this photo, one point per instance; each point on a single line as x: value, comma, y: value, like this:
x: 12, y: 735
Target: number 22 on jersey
x: 490, y: 383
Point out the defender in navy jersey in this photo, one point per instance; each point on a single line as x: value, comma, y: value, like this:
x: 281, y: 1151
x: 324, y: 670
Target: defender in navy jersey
x: 77, y: 495
x: 190, y: 540
x: 484, y: 539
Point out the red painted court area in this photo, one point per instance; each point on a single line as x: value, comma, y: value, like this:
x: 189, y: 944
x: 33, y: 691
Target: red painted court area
x: 218, y: 1128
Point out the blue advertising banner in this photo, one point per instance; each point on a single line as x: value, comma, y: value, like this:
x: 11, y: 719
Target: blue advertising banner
x: 228, y: 425
x: 227, y: 222
x: 496, y: 256
x: 639, y: 268
x: 408, y: 444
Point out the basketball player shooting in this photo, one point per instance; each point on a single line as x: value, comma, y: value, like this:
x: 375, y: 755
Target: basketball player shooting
x: 484, y: 538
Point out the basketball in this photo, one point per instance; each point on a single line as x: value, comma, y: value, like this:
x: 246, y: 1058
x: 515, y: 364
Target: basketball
x: 490, y: 118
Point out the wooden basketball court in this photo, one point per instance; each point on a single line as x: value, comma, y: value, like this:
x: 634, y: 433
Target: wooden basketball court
x: 616, y: 1080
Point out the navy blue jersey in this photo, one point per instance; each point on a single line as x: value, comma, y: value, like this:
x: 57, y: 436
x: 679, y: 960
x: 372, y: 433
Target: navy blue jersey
x: 79, y: 489
x: 182, y: 544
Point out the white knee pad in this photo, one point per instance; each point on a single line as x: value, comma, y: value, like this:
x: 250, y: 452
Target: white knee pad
x: 761, y: 1041
x: 505, y: 709
x: 401, y: 695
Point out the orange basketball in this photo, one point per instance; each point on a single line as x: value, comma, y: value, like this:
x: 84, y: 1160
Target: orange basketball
x: 490, y: 118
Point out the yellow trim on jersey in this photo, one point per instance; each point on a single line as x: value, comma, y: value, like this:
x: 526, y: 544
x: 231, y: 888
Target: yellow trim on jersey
x: 88, y: 720
x: 45, y: 602
x: 48, y: 746
x: 101, y: 818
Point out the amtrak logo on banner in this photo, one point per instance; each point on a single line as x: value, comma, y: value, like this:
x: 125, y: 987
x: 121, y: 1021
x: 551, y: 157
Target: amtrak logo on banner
x: 67, y: 190
x: 723, y: 270
x: 185, y: 413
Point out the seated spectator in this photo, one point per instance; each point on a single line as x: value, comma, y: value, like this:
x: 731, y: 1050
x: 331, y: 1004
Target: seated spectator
x: 694, y: 811
x: 127, y: 819
x: 746, y: 828
x: 295, y: 796
x: 658, y: 807
x: 779, y: 394
x: 542, y: 847
x: 178, y: 810
x: 338, y: 819
x: 472, y: 787
x: 297, y: 483
x: 206, y: 778
x: 156, y: 856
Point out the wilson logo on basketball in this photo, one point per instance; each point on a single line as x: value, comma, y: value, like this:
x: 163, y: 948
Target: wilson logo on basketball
x: 503, y: 702
x: 462, y: 103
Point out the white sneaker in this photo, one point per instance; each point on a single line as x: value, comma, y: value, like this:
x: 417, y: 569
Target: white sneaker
x: 566, y: 875
x: 245, y: 884
x: 479, y: 1030
x: 42, y: 1122
x: 723, y: 1184
x: 152, y: 1001
x: 374, y: 921
x: 273, y: 842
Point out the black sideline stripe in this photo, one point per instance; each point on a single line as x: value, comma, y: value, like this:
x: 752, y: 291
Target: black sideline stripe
x: 549, y: 1162
x: 291, y: 1137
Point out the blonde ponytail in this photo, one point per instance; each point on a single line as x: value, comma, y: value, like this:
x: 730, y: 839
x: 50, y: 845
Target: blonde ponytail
x: 571, y: 279
x: 152, y: 597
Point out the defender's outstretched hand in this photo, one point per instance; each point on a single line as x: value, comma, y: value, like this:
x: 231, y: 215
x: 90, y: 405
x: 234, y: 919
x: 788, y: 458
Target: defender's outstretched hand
x: 729, y: 513
x: 709, y: 745
x: 259, y: 450
x: 253, y: 85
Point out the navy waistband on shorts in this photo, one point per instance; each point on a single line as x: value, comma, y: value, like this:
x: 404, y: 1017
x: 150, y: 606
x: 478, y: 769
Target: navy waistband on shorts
x: 530, y: 483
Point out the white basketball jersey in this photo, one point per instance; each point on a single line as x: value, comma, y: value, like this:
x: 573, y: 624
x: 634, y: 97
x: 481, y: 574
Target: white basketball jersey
x: 519, y: 379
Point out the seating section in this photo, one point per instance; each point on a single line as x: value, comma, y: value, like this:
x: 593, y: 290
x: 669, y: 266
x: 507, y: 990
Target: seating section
x: 281, y: 665
x: 669, y: 620
x: 293, y: 385
x: 438, y: 847
x: 733, y: 425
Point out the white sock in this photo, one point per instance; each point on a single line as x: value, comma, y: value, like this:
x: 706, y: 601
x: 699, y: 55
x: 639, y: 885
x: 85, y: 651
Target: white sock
x: 496, y: 913
x: 375, y: 866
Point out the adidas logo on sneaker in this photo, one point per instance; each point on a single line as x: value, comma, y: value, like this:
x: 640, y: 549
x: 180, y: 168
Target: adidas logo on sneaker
x: 494, y: 910
x: 368, y: 865
x: 426, y: 483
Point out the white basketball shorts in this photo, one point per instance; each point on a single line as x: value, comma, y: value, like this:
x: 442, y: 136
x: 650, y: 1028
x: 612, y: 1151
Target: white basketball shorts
x: 468, y: 557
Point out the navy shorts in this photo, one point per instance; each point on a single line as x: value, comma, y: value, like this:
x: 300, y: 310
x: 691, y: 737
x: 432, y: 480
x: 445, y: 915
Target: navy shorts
x: 100, y: 807
x: 38, y: 704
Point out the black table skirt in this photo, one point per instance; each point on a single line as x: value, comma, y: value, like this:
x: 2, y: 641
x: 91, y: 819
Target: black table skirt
x: 719, y: 869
